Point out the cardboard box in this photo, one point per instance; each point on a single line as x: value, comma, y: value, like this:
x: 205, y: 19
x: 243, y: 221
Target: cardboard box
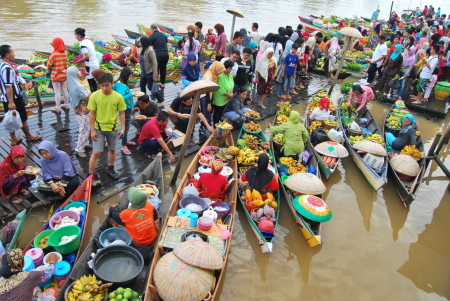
x: 176, y: 140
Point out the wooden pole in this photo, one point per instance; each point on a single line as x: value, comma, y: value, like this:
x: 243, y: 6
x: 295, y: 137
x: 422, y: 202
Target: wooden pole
x: 430, y: 155
x: 443, y: 141
x: 341, y: 62
x: 374, y: 23
x: 190, y: 127
x: 38, y: 97
x: 232, y: 28
x: 392, y: 4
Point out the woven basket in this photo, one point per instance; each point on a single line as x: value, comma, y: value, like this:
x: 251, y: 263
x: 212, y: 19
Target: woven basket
x: 353, y: 132
x: 328, y: 126
x: 221, y: 132
x: 66, y: 292
x: 260, y: 131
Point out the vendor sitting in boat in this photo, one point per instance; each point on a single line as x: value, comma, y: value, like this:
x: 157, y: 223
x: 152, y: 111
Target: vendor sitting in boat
x: 106, y: 59
x: 146, y: 108
x: 16, y: 284
x: 234, y: 109
x: 322, y: 112
x: 406, y: 136
x: 14, y: 182
x: 295, y: 135
x: 59, y: 172
x: 260, y: 177
x: 213, y: 185
x: 180, y: 111
x: 127, y: 57
x: 359, y: 97
x: 138, y: 218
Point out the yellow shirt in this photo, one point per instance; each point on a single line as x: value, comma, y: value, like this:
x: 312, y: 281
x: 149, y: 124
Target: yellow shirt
x: 106, y: 108
x: 85, y: 85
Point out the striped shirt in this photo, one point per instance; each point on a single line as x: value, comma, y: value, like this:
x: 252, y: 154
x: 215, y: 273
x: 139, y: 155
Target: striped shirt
x: 8, y: 78
x: 57, y: 62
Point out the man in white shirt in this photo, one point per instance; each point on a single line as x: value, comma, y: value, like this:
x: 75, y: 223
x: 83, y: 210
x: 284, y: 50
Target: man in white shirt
x: 377, y: 59
x: 233, y: 57
x: 426, y: 73
x: 255, y: 35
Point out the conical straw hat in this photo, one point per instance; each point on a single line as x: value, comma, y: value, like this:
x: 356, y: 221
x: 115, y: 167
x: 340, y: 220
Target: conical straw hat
x: 181, y: 30
x: 199, y: 254
x: 312, y: 207
x: 236, y: 11
x: 202, y: 86
x: 370, y: 147
x: 331, y: 149
x: 405, y: 164
x: 305, y: 183
x: 175, y: 280
x: 351, y: 32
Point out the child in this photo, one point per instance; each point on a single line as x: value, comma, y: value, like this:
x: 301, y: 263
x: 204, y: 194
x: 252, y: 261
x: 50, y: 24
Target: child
x: 104, y: 105
x: 191, y: 71
x: 289, y: 69
x: 83, y: 81
x: 441, y: 65
x: 122, y: 88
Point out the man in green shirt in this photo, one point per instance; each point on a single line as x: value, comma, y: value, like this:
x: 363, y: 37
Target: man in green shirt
x: 104, y: 105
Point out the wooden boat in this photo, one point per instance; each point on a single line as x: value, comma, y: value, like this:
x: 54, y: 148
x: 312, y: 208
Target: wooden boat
x: 326, y: 169
x: 110, y: 46
x: 153, y: 173
x: 310, y: 230
x: 407, y: 189
x: 124, y: 41
x: 132, y: 34
x: 376, y: 179
x: 265, y: 241
x: 10, y: 234
x: 83, y: 193
x: 151, y: 292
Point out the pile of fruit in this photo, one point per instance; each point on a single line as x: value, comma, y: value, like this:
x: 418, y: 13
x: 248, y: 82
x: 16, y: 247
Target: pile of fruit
x: 282, y: 119
x: 278, y: 138
x: 354, y: 139
x: 252, y: 127
x: 254, y: 198
x: 252, y: 114
x: 121, y: 294
x: 400, y: 103
x: 394, y: 123
x: 88, y: 288
x: 376, y: 138
x: 286, y: 161
x: 36, y: 60
x: 322, y: 93
x: 284, y: 108
x: 417, y: 134
x: 314, y: 124
x: 331, y: 123
x: 248, y: 156
x: 136, y: 70
x: 329, y: 160
x: 296, y: 167
x: 43, y: 243
x: 224, y: 125
x: 411, y: 151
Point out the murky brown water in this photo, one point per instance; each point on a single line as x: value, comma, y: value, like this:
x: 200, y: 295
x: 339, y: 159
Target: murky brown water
x: 372, y: 249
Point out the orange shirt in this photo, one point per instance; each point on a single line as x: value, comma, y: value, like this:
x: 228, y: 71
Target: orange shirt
x: 139, y: 223
x: 57, y: 62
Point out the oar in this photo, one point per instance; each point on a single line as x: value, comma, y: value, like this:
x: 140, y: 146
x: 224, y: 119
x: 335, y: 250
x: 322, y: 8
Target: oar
x: 415, y: 181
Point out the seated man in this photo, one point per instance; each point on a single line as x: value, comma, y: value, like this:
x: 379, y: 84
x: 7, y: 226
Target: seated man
x: 153, y: 135
x: 146, y: 108
x: 181, y: 106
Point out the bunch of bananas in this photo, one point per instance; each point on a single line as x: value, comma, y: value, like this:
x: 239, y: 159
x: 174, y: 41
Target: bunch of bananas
x: 315, y: 124
x: 282, y: 119
x: 252, y: 127
x: 354, y: 139
x: 313, y: 104
x: 332, y: 107
x: 376, y: 138
x: 284, y: 108
x: 296, y: 167
x: 331, y: 123
x: 252, y: 113
x: 278, y: 138
x: 247, y: 156
x: 87, y: 288
x: 287, y: 160
x: 251, y: 141
x: 393, y: 118
x: 322, y: 93
x: 411, y: 151
x: 417, y: 134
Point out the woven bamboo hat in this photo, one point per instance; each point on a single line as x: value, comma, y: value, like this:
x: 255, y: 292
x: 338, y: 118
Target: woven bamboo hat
x: 181, y: 30
x: 405, y: 164
x: 199, y: 254
x: 202, y: 86
x: 175, y: 280
x: 313, y: 208
x: 331, y: 149
x: 370, y: 147
x: 305, y: 183
x: 351, y: 32
x: 236, y: 11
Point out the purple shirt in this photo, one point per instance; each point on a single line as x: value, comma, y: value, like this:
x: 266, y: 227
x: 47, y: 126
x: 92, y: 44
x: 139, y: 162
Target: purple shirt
x: 409, y: 60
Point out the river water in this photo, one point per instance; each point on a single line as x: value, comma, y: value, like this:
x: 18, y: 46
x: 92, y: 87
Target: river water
x: 372, y: 249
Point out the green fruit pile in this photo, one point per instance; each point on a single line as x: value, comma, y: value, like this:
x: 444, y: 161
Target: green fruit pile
x: 122, y: 294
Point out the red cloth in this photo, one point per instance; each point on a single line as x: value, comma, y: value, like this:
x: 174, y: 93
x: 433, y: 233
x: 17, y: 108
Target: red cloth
x: 273, y: 185
x: 441, y: 66
x: 151, y: 130
x: 324, y: 104
x: 140, y: 224
x: 58, y: 45
x: 212, y: 186
x: 8, y: 167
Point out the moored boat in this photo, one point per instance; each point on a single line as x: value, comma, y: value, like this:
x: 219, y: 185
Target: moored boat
x: 10, y: 234
x: 124, y: 41
x: 132, y: 34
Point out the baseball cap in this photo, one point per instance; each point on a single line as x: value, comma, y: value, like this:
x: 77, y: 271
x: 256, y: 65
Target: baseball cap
x: 83, y: 70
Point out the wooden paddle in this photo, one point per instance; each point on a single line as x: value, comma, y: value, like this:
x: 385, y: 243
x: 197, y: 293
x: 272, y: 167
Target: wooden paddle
x: 415, y: 181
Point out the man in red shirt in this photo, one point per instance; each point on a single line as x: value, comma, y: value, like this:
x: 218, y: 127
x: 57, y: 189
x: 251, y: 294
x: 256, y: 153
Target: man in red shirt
x: 153, y: 134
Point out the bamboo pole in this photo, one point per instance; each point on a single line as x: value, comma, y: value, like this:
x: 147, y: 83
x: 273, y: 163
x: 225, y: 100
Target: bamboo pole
x: 341, y: 62
x: 374, y: 23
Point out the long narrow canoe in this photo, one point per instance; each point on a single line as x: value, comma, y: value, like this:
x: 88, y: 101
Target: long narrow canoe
x: 153, y: 173
x: 124, y: 41
x: 407, y: 189
x: 265, y: 241
x: 10, y: 234
x: 376, y: 179
x: 83, y: 193
x: 151, y: 292
x: 132, y: 34
x: 310, y: 230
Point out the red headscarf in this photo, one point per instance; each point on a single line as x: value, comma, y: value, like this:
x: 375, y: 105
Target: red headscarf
x: 8, y: 167
x: 341, y: 24
x: 324, y: 104
x: 58, y: 45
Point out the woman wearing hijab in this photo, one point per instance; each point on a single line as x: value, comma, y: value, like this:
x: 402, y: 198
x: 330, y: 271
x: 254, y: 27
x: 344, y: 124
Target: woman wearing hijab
x: 409, y: 59
x: 331, y: 56
x: 210, y: 38
x: 359, y: 97
x: 127, y: 57
x: 149, y: 65
x: 406, y: 136
x: 191, y: 72
x: 191, y: 46
x: 322, y: 112
x: 213, y: 185
x: 391, y: 69
x: 266, y: 70
x: 14, y: 182
x: 59, y: 172
x: 263, y: 45
x: 96, y: 73
x: 57, y: 63
x: 18, y: 285
x: 78, y: 102
x: 138, y: 218
x: 342, y: 23
x: 221, y: 42
x: 294, y: 133
x: 246, y: 38
x: 260, y: 177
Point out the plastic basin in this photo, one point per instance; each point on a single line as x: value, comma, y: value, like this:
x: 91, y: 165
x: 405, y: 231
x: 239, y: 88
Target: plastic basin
x: 62, y: 214
x: 75, y: 205
x: 193, y: 199
x: 40, y: 236
x: 68, y: 247
x: 120, y: 232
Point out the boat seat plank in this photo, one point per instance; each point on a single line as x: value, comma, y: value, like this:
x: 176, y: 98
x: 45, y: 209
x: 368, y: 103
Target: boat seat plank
x: 8, y: 206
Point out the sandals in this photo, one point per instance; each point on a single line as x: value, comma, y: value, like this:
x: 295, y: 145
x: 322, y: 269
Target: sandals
x: 36, y: 138
x: 125, y: 152
x: 16, y: 199
x: 55, y: 110
x: 288, y: 97
x: 18, y: 142
x: 25, y: 193
x: 151, y: 156
x: 131, y: 143
x: 282, y: 96
x: 262, y: 106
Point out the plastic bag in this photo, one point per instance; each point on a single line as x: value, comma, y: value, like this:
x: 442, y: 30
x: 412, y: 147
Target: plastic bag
x: 190, y: 190
x: 155, y: 201
x: 354, y: 126
x: 335, y: 135
x: 12, y: 121
x: 318, y: 135
x: 305, y: 156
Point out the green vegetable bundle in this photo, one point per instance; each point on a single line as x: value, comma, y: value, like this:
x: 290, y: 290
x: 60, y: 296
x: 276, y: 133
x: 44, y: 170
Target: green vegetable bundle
x: 346, y: 87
